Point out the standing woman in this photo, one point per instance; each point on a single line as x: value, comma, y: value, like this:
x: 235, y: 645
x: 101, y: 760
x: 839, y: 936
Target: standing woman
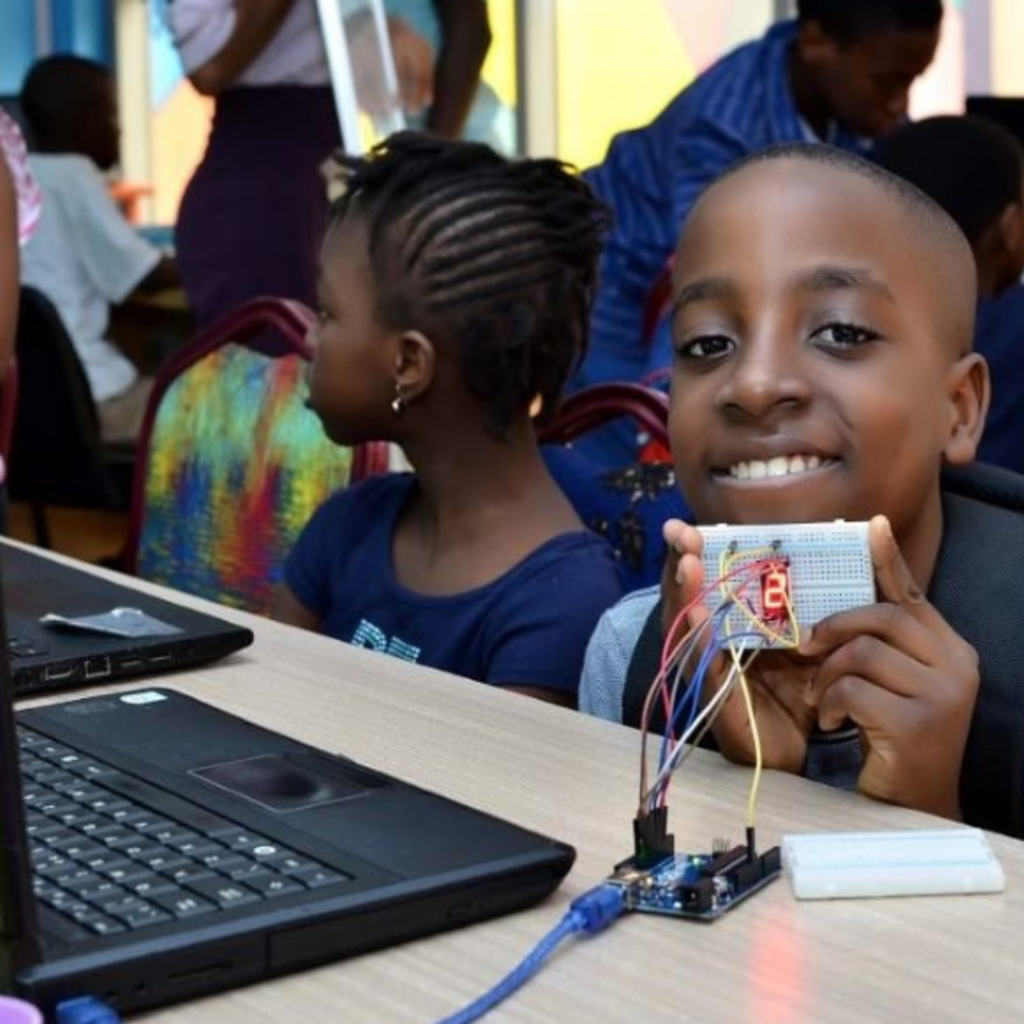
x: 252, y: 217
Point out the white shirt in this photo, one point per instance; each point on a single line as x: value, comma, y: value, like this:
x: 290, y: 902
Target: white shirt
x: 295, y: 56
x: 84, y: 256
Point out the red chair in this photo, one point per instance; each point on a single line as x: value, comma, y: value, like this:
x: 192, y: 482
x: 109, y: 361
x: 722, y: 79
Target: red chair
x: 231, y: 461
x: 628, y: 505
x: 599, y: 404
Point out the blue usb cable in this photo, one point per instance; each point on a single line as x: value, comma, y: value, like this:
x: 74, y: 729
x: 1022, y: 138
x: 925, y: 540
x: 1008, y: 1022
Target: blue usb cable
x: 85, y: 1010
x: 591, y: 912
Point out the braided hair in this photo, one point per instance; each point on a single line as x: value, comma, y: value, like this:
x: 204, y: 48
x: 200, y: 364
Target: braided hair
x: 495, y: 260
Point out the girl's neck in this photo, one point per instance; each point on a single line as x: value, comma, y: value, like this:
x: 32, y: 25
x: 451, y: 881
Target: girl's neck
x: 469, y: 474
x: 481, y: 506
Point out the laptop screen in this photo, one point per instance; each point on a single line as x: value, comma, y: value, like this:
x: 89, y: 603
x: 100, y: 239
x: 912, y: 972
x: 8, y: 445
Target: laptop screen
x: 18, y: 929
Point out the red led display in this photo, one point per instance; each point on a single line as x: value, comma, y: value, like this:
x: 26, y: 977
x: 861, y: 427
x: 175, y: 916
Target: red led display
x: 776, y: 598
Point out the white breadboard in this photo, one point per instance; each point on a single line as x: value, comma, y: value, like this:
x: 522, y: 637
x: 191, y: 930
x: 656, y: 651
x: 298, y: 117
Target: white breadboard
x: 827, y: 569
x: 918, y: 862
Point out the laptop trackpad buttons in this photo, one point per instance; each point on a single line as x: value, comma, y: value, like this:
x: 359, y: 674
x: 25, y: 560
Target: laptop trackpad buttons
x: 290, y: 782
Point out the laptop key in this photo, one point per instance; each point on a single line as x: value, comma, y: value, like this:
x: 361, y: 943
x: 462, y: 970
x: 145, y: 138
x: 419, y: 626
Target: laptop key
x: 248, y: 870
x: 176, y: 837
x: 155, y: 885
x: 224, y: 893
x: 184, y: 905
x: 187, y: 874
x: 101, y: 892
x: 317, y: 878
x: 274, y: 885
x: 142, y: 917
x: 290, y: 863
x: 99, y: 924
x: 224, y: 862
x: 239, y: 839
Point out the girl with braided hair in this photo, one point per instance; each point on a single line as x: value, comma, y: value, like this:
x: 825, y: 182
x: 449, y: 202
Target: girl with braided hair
x: 455, y: 290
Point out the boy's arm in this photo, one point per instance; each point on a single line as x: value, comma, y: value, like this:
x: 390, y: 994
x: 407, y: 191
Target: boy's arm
x: 908, y: 681
x: 465, y: 40
x: 610, y: 652
x: 115, y: 257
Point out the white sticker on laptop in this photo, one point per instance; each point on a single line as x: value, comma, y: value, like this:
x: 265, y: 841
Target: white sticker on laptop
x: 129, y: 622
x: 143, y: 697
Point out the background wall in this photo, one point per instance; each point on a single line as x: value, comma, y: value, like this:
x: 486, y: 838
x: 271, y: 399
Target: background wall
x: 611, y: 65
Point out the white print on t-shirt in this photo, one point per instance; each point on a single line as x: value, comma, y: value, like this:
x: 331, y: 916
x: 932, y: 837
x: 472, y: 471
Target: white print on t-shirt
x: 373, y: 637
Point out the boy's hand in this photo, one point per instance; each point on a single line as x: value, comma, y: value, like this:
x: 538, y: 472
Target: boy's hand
x: 908, y: 681
x: 777, y: 679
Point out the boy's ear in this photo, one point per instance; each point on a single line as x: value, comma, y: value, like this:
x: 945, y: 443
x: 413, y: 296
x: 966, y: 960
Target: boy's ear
x: 814, y: 44
x: 969, y: 390
x: 1011, y: 228
x: 415, y: 364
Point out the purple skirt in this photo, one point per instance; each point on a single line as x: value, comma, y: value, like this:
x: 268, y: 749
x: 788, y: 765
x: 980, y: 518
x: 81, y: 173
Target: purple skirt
x: 252, y: 218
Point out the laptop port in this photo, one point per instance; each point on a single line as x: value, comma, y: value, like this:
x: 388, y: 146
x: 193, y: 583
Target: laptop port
x: 159, y: 659
x: 97, y: 668
x: 128, y: 664
x: 61, y: 670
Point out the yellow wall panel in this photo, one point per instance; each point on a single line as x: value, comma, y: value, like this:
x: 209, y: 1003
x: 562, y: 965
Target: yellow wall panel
x: 618, y: 65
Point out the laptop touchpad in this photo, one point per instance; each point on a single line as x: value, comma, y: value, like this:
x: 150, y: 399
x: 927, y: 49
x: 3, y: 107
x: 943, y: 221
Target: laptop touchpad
x: 290, y: 782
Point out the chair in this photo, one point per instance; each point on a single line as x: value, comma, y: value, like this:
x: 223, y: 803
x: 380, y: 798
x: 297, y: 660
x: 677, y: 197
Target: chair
x: 231, y: 462
x: 594, y: 406
x: 57, y: 454
x: 628, y: 505
x: 990, y: 484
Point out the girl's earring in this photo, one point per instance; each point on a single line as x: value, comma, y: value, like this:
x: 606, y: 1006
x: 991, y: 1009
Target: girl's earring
x: 398, y: 403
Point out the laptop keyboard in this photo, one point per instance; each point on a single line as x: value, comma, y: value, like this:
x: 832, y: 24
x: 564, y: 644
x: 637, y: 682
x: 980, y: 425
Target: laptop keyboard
x: 113, y: 863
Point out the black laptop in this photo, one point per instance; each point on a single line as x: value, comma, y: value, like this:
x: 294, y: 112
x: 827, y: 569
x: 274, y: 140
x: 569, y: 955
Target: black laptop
x: 67, y: 627
x: 177, y: 851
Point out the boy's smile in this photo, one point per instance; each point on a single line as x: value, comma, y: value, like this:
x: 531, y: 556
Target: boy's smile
x: 819, y: 332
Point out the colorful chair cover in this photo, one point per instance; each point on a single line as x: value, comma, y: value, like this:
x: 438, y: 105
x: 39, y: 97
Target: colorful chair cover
x: 232, y: 463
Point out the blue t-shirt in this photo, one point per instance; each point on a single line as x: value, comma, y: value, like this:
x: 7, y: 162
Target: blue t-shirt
x: 999, y: 337
x: 652, y: 176
x: 529, y: 627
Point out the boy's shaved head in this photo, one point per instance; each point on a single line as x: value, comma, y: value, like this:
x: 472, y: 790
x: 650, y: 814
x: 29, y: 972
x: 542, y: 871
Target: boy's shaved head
x: 822, y: 326
x: 944, y: 247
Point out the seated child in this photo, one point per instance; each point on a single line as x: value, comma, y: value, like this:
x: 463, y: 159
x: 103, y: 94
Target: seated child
x: 84, y: 254
x: 455, y: 288
x: 974, y: 169
x: 823, y: 369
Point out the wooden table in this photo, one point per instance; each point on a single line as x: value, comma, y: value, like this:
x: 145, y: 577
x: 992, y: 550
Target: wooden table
x: 771, y: 960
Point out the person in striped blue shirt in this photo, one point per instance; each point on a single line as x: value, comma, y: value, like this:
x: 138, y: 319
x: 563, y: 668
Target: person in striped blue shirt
x: 838, y: 73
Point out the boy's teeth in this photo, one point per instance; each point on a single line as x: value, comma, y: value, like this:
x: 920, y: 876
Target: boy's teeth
x: 780, y: 465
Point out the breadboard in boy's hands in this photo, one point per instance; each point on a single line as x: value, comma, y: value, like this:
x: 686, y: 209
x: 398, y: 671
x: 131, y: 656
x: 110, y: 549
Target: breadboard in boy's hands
x: 773, y: 574
x: 917, y: 862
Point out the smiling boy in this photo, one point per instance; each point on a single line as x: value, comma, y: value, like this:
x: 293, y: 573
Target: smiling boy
x: 824, y: 311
